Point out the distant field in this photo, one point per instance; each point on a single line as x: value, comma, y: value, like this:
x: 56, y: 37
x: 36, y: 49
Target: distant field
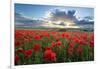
x: 58, y: 29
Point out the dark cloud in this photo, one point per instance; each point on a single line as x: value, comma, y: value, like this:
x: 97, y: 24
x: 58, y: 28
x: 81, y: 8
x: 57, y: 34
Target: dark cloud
x: 59, y: 15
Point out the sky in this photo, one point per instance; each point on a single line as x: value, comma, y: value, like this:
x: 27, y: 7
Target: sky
x: 39, y: 11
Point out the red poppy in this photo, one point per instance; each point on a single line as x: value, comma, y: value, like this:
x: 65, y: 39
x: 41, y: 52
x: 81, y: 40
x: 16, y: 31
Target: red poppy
x: 28, y: 53
x: 57, y: 37
x: 76, y: 40
x: 53, y: 56
x: 20, y: 51
x: 36, y: 47
x: 82, y: 42
x: 53, y: 43
x: 85, y: 36
x: 71, y: 44
x: 17, y: 59
x: 49, y: 55
x: 59, y: 43
x: 47, y: 35
x: 17, y: 43
x: 92, y: 37
x: 79, y: 50
x: 48, y: 48
x: 18, y: 34
x: 64, y: 35
x: 91, y: 43
x: 37, y: 37
x: 70, y: 51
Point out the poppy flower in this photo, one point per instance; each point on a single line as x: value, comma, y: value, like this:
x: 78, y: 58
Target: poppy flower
x: 36, y: 47
x: 64, y: 35
x: 91, y: 43
x: 71, y: 44
x: 30, y: 39
x: 76, y: 40
x: 53, y: 44
x: 59, y: 43
x: 79, y: 50
x: 17, y: 43
x: 92, y: 37
x: 20, y: 51
x: 28, y: 53
x: 18, y: 34
x: 53, y: 56
x: 46, y: 35
x: 48, y: 48
x: 17, y: 59
x: 57, y: 38
x: 37, y: 37
x: 85, y: 36
x: 49, y: 55
x: 70, y: 51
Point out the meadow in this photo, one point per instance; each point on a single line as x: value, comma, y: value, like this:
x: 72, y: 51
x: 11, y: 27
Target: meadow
x: 41, y: 46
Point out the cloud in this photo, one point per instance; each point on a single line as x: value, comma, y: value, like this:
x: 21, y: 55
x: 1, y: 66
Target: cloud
x: 61, y: 18
x: 54, y: 18
x: 61, y: 15
x: 23, y: 21
x: 21, y: 18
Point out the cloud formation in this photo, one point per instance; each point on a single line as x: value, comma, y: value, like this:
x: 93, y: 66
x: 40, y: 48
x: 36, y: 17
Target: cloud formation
x: 61, y: 15
x: 67, y: 19
x: 55, y: 18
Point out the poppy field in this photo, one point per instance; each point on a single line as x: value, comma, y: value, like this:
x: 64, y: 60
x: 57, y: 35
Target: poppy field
x: 41, y: 47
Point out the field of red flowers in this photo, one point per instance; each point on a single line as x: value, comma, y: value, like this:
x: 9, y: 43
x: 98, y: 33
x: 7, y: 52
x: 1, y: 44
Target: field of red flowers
x: 40, y: 47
